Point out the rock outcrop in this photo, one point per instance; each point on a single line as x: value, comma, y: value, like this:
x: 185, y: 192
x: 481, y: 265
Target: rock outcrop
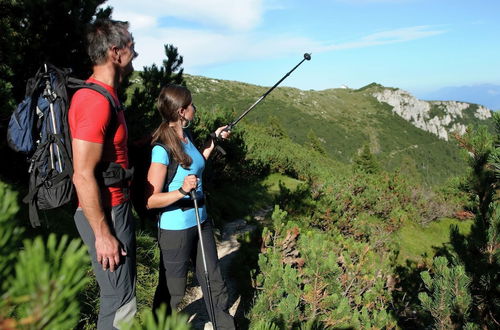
x: 441, y: 118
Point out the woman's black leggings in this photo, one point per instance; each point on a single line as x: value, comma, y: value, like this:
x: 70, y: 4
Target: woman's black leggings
x: 177, y: 248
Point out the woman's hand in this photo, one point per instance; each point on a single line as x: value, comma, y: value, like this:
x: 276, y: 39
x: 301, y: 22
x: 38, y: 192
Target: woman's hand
x: 220, y: 132
x: 210, y: 145
x: 190, y: 183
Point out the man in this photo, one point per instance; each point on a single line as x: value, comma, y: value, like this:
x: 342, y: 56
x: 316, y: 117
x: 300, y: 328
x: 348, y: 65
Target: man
x: 99, y: 136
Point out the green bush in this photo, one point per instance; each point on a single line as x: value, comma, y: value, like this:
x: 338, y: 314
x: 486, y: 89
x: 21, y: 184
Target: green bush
x: 449, y: 301
x: 344, y: 221
x: 9, y: 233
x: 159, y: 321
x: 42, y: 278
x: 307, y: 275
x: 47, y: 279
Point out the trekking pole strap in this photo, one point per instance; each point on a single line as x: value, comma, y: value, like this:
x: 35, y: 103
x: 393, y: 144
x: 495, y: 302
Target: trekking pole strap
x: 216, y: 140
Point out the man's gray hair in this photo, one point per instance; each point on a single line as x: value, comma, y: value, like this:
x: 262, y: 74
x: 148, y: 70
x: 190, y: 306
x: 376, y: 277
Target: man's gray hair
x: 103, y: 35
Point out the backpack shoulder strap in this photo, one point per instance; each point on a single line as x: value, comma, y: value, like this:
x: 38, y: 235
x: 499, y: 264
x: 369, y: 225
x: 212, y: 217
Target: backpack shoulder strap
x: 171, y: 168
x: 173, y: 165
x: 75, y: 83
x: 189, y: 135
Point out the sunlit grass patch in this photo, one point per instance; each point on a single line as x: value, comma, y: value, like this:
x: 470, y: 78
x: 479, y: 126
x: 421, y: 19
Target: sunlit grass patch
x: 419, y: 243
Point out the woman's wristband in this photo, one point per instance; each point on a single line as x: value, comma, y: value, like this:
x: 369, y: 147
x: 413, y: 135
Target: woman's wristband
x: 182, y: 191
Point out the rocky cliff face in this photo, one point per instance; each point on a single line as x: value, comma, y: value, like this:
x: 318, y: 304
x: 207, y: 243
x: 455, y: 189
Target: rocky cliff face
x: 438, y: 117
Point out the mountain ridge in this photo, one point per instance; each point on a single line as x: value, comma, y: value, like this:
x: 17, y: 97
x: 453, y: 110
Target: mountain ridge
x: 441, y: 118
x: 344, y: 120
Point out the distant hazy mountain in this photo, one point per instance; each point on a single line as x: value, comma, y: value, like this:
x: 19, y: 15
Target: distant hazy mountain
x: 485, y: 94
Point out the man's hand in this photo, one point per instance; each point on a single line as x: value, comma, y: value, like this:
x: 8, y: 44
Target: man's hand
x: 108, y: 252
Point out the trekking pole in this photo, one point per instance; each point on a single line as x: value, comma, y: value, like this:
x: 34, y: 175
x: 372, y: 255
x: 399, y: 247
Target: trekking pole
x: 49, y: 94
x: 307, y: 56
x: 205, y: 268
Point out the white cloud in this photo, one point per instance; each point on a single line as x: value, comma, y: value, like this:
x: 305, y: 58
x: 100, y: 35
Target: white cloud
x: 198, y: 48
x: 138, y: 21
x: 202, y: 47
x: 404, y: 34
x: 351, y: 2
x: 386, y: 37
x: 239, y: 40
x: 235, y: 15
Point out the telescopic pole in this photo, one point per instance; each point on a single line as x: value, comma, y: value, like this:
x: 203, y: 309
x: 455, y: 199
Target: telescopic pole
x: 204, y: 258
x: 307, y: 56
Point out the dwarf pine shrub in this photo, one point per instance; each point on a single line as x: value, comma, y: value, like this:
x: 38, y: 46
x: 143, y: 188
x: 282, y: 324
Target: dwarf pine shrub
x: 159, y: 321
x: 9, y: 233
x: 42, y: 278
x: 307, y: 275
x: 448, y: 299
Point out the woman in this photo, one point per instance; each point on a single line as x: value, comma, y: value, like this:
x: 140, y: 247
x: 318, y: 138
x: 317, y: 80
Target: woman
x: 177, y: 232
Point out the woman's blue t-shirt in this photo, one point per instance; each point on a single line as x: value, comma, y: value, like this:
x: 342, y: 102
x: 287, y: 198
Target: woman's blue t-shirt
x: 176, y: 219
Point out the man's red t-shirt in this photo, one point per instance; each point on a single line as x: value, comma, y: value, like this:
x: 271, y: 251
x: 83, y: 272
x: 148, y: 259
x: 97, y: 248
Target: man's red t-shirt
x: 90, y: 115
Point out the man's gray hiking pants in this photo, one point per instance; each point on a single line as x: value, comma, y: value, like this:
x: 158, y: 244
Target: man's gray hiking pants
x: 117, y: 289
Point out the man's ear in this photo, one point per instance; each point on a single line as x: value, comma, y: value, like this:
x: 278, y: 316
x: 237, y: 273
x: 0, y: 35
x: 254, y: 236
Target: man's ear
x: 114, y: 54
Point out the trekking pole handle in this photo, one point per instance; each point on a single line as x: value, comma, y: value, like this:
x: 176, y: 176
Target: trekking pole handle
x: 192, y: 194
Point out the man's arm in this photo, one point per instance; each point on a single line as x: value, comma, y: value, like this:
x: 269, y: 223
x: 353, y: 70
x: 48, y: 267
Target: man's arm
x: 86, y: 156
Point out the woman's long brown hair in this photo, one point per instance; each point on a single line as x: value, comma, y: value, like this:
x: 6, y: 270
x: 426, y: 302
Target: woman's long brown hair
x: 171, y: 99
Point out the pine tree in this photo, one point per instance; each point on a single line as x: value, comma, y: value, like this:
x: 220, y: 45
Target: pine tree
x: 483, y: 245
x: 310, y: 279
x: 33, y: 32
x: 274, y: 127
x: 450, y: 299
x: 143, y: 117
x: 366, y: 162
x: 40, y: 280
x: 9, y: 233
x: 480, y: 250
x: 315, y: 142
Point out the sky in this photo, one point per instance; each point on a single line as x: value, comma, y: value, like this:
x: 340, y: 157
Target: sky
x: 415, y: 45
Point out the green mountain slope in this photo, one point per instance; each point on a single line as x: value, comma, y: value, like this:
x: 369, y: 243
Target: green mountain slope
x: 344, y: 120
